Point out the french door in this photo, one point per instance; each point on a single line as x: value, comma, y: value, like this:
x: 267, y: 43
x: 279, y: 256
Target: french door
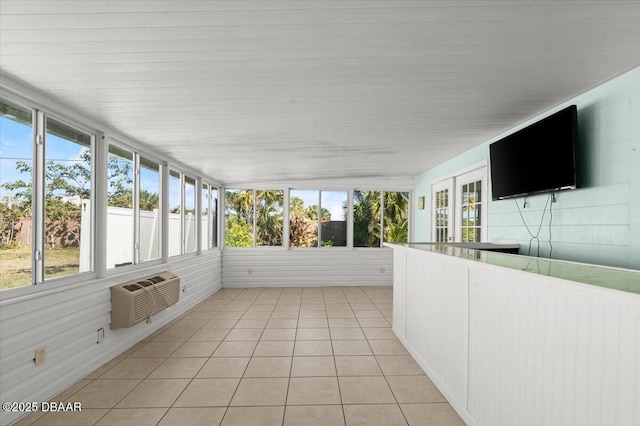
x: 459, y: 207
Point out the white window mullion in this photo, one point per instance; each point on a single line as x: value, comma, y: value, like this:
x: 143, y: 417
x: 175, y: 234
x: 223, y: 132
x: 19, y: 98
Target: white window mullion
x: 349, y: 218
x: 381, y: 218
x: 38, y: 198
x: 164, y: 206
x: 255, y: 219
x: 183, y: 247
x: 198, y: 214
x: 100, y: 166
x: 136, y: 208
x: 319, y: 244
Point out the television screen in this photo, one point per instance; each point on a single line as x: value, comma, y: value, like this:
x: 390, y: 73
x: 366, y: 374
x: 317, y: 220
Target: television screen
x: 538, y: 158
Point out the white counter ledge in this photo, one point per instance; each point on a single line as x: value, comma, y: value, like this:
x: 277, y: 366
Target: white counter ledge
x: 517, y: 340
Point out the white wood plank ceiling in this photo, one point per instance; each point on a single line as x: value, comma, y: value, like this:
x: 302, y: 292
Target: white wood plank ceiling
x: 290, y: 91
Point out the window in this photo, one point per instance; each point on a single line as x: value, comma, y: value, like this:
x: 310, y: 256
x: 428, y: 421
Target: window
x: 67, y: 205
x: 396, y: 217
x: 318, y: 218
x: 150, y: 218
x: 238, y: 218
x: 205, y: 218
x: 120, y: 212
x: 175, y: 213
x: 366, y: 218
x: 189, y: 217
x: 269, y: 217
x: 16, y: 221
x: 375, y: 210
x: 303, y: 218
x: 214, y: 218
x: 333, y: 220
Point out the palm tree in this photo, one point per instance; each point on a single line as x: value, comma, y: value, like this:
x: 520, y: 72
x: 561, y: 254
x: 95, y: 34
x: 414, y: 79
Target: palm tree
x: 148, y: 201
x: 366, y: 218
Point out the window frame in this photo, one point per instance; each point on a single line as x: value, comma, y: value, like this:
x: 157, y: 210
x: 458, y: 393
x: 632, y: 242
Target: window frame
x: 99, y: 148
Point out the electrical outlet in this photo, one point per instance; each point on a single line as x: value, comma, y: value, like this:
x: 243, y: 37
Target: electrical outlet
x: 100, y: 335
x: 41, y: 356
x: 184, y: 288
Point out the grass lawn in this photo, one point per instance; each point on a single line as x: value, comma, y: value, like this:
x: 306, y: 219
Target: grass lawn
x: 15, y: 265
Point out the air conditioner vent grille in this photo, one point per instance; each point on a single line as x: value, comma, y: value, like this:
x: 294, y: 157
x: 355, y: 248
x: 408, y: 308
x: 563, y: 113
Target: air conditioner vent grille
x: 135, y: 301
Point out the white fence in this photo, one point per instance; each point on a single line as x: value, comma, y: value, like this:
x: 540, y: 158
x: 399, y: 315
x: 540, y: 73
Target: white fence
x: 120, y: 236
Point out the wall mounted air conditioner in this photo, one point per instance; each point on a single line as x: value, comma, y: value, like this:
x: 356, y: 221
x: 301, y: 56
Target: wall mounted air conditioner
x: 137, y: 300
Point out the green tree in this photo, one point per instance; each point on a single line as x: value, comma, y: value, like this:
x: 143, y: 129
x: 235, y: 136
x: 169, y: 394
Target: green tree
x: 238, y: 233
x: 366, y: 218
x: 64, y: 182
x: 396, y: 217
x: 149, y: 201
x: 269, y: 217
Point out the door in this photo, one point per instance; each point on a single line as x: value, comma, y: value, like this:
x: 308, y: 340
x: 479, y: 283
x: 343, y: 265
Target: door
x: 470, y: 210
x: 458, y: 206
x: 441, y: 212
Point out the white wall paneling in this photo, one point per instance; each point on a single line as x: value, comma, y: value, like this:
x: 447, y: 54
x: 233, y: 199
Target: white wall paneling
x: 509, y: 347
x: 65, y: 320
x: 330, y: 266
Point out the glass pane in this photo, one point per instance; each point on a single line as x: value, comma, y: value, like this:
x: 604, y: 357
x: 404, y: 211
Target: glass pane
x: 478, y: 191
x: 150, y: 219
x: 190, y: 227
x: 204, y: 218
x: 303, y: 218
x: 333, y: 222
x: 238, y: 218
x: 269, y: 217
x: 16, y: 162
x: 120, y: 232
x: 396, y: 217
x: 214, y: 217
x: 175, y: 207
x: 67, y: 200
x: 366, y: 218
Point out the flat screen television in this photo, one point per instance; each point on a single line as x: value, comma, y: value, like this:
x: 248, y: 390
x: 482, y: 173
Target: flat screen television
x: 539, y: 158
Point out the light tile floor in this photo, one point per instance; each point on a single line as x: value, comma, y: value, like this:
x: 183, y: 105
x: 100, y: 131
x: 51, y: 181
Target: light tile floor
x: 266, y: 356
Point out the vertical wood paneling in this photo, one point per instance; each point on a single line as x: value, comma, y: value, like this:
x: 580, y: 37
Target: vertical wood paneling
x: 66, y: 322
x: 436, y: 320
x: 579, y: 363
x: 265, y: 266
x: 400, y: 293
x: 541, y: 351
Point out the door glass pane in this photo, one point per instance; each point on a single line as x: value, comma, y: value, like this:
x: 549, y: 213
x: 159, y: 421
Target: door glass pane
x: 303, y: 218
x: 396, y: 217
x: 175, y: 207
x: 67, y: 200
x: 366, y: 218
x: 120, y: 232
x: 238, y: 218
x: 333, y: 206
x: 190, y: 226
x: 269, y: 217
x: 16, y: 162
x: 442, y: 215
x: 150, y: 217
x: 471, y: 206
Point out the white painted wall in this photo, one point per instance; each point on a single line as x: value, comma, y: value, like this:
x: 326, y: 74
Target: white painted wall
x: 65, y: 320
x: 509, y: 347
x: 328, y: 266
